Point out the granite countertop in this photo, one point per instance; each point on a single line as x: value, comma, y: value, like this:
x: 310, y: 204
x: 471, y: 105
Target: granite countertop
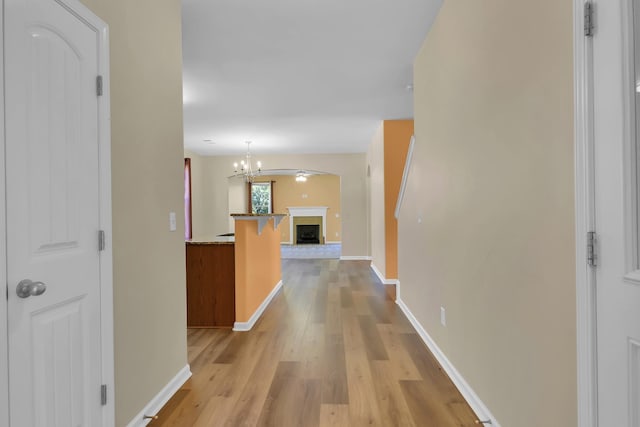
x: 214, y: 240
x: 257, y: 215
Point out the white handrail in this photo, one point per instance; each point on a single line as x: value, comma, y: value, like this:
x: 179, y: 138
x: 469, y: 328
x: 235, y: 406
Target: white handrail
x: 405, y: 175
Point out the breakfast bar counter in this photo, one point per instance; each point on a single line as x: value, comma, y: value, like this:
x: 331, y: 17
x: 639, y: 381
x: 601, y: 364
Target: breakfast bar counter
x: 210, y: 283
x: 232, y: 278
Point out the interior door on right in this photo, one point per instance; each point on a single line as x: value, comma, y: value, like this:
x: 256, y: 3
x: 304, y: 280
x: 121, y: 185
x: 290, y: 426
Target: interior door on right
x: 616, y: 74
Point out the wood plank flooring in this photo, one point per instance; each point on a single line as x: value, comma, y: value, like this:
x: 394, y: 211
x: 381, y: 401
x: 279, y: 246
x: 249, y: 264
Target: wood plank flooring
x: 332, y: 349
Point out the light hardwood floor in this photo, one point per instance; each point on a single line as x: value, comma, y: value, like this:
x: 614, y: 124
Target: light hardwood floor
x: 332, y: 349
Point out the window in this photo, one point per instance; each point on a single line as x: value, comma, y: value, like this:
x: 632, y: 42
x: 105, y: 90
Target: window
x: 261, y: 201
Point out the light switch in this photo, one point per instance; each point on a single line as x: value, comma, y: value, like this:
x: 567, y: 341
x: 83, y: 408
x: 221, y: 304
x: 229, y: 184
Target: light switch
x: 172, y: 221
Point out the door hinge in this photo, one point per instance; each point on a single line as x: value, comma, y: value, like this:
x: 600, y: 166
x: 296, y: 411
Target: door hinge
x: 103, y: 394
x: 99, y: 85
x: 592, y: 249
x: 101, y: 240
x: 588, y: 19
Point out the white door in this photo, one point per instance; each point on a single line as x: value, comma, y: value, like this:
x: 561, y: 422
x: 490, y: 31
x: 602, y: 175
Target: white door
x: 52, y: 175
x: 616, y: 101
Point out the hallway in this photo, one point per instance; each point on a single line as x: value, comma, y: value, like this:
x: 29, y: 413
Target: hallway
x: 332, y: 349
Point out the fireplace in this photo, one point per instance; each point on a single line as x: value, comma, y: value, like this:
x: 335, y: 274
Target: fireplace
x: 307, y: 234
x: 307, y: 215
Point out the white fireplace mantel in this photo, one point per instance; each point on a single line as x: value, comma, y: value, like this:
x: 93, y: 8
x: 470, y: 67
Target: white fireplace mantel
x: 308, y: 211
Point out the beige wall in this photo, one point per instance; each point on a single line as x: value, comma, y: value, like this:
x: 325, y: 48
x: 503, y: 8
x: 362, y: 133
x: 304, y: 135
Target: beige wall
x: 318, y: 190
x: 147, y: 170
x: 238, y: 200
x: 375, y: 163
x: 492, y: 183
x: 353, y: 197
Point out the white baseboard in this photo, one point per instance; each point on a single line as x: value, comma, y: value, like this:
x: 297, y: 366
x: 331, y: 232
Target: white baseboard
x: 465, y: 389
x: 355, y: 258
x: 154, y: 406
x: 246, y: 326
x: 383, y: 279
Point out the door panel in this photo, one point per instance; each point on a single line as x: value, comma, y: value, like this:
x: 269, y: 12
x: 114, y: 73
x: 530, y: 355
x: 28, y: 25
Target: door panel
x: 58, y: 356
x: 53, y: 147
x: 634, y: 381
x: 52, y: 168
x: 616, y: 215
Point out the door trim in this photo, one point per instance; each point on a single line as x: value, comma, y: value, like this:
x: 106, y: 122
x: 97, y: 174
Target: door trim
x: 106, y: 257
x: 629, y: 167
x: 586, y: 351
x: 4, y: 339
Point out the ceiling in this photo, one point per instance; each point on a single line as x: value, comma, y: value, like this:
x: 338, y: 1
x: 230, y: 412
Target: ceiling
x: 297, y: 76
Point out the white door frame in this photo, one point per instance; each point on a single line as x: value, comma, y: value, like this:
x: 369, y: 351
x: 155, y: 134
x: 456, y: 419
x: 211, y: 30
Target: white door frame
x: 4, y: 339
x: 587, y: 398
x: 586, y: 303
x: 106, y: 259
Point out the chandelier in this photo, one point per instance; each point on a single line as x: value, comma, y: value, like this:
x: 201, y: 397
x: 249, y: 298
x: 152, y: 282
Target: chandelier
x: 244, y: 169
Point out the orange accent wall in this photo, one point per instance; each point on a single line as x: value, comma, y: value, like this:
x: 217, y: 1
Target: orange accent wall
x: 397, y: 134
x: 258, y: 268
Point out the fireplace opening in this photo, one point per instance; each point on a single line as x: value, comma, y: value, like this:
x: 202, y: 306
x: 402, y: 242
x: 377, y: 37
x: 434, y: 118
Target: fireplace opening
x: 307, y: 234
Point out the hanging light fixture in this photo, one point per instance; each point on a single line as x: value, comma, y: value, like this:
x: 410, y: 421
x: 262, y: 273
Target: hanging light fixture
x: 244, y: 169
x: 301, y: 176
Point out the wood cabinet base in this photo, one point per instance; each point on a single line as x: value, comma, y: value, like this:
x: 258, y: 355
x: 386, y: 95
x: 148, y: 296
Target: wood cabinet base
x: 210, y: 285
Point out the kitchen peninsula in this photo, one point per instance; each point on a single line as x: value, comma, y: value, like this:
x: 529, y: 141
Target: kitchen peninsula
x: 231, y: 280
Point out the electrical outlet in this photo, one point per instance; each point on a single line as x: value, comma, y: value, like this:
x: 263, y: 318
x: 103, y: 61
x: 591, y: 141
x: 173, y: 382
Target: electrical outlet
x: 336, y: 234
x: 443, y: 316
